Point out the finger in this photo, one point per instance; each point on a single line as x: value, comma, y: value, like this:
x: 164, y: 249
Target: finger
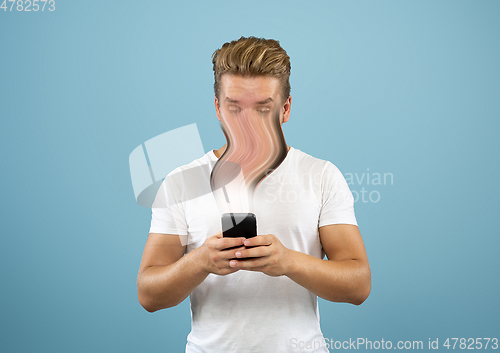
x: 249, y: 263
x: 259, y: 240
x: 258, y: 251
x: 230, y: 253
x: 224, y: 243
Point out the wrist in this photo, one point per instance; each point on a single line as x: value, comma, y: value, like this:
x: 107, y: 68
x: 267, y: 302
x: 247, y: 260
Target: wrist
x: 290, y: 263
x: 199, y: 260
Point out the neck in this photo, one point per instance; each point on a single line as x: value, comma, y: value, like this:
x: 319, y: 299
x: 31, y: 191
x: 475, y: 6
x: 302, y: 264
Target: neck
x: 218, y: 153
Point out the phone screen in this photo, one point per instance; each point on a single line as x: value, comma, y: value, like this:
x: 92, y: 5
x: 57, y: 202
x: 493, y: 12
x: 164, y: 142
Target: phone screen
x: 236, y: 225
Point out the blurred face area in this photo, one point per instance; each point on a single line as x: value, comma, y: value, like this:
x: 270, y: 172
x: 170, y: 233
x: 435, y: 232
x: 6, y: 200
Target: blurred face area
x: 251, y: 111
x: 262, y: 94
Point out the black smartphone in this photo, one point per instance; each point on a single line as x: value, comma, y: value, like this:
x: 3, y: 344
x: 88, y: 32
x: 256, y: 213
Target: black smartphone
x: 236, y: 225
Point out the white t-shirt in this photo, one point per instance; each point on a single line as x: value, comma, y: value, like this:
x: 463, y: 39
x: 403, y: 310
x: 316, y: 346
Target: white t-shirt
x: 249, y: 311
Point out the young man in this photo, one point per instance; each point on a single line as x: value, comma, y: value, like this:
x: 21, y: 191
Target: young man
x: 304, y: 211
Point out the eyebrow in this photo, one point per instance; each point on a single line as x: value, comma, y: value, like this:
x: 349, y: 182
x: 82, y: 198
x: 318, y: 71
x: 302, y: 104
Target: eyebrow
x: 268, y: 100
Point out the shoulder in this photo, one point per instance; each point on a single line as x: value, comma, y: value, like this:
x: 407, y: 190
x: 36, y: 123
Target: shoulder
x: 193, y: 175
x: 206, y: 161
x: 317, y: 166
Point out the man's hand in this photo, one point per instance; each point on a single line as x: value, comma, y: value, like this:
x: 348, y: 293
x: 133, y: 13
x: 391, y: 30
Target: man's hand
x: 269, y: 256
x: 215, y: 256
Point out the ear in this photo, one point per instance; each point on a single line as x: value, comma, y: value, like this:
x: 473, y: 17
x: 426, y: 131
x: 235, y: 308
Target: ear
x: 217, y: 108
x: 286, y: 109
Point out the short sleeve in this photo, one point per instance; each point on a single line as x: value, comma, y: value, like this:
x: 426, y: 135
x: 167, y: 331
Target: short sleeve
x: 337, y: 205
x: 168, y: 215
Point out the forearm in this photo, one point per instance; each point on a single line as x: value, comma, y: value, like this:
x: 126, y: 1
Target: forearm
x: 162, y: 287
x: 338, y: 281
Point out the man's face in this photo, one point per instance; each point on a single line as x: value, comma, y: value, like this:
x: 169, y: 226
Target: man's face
x: 251, y: 111
x: 254, y: 96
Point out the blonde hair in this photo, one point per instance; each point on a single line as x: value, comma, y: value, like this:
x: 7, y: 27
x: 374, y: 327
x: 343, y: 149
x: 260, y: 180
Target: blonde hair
x: 252, y: 57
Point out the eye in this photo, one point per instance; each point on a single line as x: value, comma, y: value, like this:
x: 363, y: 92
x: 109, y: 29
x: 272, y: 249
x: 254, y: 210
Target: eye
x: 234, y: 109
x: 263, y: 111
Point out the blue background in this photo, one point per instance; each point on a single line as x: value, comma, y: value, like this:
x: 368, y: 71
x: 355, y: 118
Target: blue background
x: 402, y: 87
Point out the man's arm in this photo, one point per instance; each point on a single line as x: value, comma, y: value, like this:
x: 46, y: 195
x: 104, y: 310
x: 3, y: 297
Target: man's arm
x: 344, y: 277
x: 167, y: 276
